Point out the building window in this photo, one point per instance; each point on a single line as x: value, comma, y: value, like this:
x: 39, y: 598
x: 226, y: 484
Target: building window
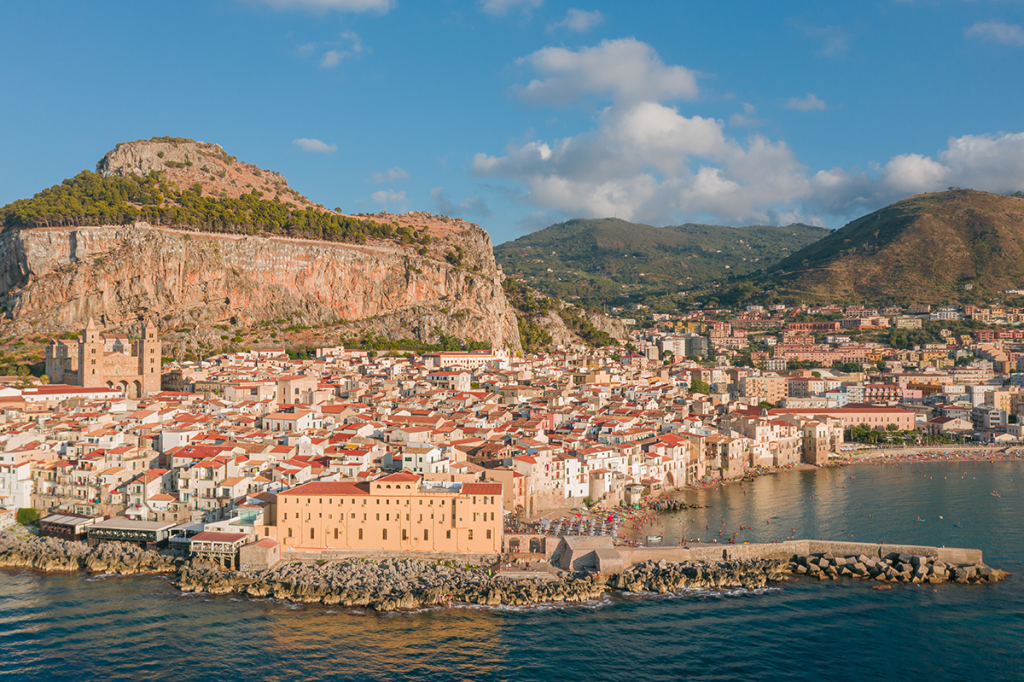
x: 448, y: 534
x: 426, y: 534
x: 405, y: 534
x: 360, y: 533
x: 336, y: 533
x: 470, y: 533
x: 289, y: 532
x: 488, y: 534
x: 311, y: 533
x: 385, y: 533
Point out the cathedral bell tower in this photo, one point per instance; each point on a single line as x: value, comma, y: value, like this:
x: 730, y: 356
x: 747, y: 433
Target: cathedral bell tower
x: 90, y: 357
x: 149, y: 352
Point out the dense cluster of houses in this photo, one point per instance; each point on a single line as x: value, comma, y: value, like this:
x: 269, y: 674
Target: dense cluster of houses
x: 241, y: 443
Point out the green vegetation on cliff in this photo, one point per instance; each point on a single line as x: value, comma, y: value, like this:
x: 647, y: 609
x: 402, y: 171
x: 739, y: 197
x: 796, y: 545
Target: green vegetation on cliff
x: 530, y: 304
x: 91, y: 199
x: 602, y: 261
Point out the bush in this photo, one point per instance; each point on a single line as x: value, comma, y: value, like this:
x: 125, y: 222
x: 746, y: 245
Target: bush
x: 588, y: 502
x: 27, y: 516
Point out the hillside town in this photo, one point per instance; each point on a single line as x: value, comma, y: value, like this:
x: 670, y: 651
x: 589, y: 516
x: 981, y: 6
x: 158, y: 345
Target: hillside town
x: 446, y: 451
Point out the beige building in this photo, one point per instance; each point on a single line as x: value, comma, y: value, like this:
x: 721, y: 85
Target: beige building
x: 399, y: 512
x: 111, y: 360
x: 768, y: 389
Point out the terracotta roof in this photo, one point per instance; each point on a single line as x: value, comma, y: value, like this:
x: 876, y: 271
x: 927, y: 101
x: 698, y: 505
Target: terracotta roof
x: 481, y: 489
x: 328, y: 488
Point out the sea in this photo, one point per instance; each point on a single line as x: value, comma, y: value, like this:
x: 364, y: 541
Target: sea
x: 111, y: 628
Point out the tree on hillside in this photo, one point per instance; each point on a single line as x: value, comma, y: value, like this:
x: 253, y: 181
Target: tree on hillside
x: 698, y: 386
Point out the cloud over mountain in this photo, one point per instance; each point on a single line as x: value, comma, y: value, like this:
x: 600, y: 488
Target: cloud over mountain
x: 645, y: 160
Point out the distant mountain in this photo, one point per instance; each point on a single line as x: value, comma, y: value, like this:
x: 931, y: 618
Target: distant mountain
x: 601, y: 259
x: 945, y: 247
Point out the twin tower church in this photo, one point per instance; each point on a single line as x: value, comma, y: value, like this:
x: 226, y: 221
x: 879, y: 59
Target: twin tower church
x: 113, y: 360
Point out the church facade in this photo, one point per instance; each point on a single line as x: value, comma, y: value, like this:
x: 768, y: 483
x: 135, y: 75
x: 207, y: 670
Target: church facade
x: 112, y: 360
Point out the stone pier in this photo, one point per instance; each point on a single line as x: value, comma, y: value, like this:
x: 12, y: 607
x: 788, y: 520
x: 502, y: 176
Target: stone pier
x: 600, y: 554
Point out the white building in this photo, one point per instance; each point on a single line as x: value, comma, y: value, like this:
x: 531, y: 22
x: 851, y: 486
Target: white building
x: 16, y: 485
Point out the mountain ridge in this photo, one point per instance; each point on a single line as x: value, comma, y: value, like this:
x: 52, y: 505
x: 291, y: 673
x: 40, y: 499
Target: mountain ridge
x: 933, y: 248
x: 600, y: 259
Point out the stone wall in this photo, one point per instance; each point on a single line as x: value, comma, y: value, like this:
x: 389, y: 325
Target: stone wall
x: 599, y: 553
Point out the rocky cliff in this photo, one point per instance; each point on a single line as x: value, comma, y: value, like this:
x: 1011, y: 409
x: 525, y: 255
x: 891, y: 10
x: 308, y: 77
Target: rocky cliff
x: 54, y: 279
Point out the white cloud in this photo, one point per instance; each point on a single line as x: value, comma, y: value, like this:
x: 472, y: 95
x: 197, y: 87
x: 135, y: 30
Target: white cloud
x: 747, y: 119
x: 626, y: 69
x: 331, y: 58
x: 314, y: 145
x: 500, y: 8
x: 388, y: 198
x: 396, y: 173
x: 913, y: 173
x: 580, y: 20
x: 646, y: 161
x: 324, y: 5
x: 997, y: 32
x: 808, y: 103
x: 473, y: 206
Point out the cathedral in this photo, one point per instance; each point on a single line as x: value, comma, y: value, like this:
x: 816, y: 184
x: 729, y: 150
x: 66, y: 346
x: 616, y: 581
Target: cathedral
x: 111, y: 360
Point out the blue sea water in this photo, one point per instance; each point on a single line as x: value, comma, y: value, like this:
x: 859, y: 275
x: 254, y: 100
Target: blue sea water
x: 90, y: 628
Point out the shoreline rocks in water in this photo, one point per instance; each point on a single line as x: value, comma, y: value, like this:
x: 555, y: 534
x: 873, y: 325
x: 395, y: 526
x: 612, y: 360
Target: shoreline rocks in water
x: 673, y: 505
x: 411, y: 583
x: 389, y: 585
x: 52, y: 555
x: 895, y: 568
x: 404, y: 584
x: 663, y: 576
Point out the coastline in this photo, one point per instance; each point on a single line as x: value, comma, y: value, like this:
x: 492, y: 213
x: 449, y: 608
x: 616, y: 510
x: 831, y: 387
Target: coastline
x: 411, y: 583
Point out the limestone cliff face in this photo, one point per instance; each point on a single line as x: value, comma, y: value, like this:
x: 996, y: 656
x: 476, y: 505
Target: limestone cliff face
x: 54, y: 279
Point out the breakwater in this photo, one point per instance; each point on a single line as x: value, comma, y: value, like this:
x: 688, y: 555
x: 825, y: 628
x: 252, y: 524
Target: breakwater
x: 897, y: 567
x: 590, y: 569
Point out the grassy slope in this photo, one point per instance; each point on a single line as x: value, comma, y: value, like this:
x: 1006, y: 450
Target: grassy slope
x: 922, y: 249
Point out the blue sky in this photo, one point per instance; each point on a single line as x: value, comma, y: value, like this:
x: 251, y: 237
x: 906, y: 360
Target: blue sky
x: 521, y: 113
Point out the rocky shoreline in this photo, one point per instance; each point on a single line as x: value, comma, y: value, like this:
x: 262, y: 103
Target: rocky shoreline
x: 405, y: 584
x: 52, y: 555
x: 412, y: 583
x: 671, y: 504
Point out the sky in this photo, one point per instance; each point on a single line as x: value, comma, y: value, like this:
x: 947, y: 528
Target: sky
x: 518, y: 114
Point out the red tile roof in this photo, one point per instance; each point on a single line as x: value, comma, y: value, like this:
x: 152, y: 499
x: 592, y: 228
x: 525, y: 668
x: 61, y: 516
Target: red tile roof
x: 328, y: 488
x: 481, y: 489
